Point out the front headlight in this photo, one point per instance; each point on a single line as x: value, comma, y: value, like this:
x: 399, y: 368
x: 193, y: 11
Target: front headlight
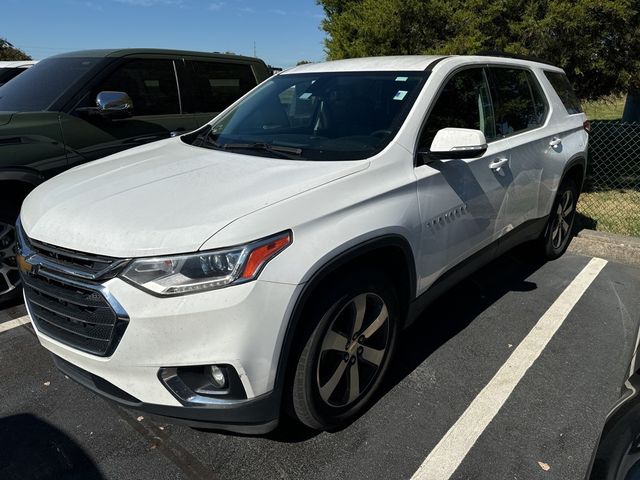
x: 196, y: 272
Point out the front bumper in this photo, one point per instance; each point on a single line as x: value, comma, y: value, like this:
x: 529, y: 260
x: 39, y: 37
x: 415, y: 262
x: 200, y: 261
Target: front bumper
x: 251, y: 417
x: 242, y: 326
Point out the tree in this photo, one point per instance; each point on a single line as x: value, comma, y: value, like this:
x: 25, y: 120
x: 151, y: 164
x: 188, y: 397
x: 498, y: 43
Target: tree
x: 9, y: 52
x: 303, y: 62
x: 596, y: 41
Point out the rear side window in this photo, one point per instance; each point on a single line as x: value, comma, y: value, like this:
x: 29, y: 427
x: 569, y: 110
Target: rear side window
x: 519, y: 103
x: 151, y: 84
x: 215, y: 85
x: 465, y: 102
x: 563, y: 88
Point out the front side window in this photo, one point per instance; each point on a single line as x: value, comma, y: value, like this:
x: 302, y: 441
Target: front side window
x: 151, y: 84
x: 213, y: 86
x: 464, y: 102
x: 322, y: 116
x: 519, y: 104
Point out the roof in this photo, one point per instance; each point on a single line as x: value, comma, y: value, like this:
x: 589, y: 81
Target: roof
x: 123, y: 52
x: 18, y: 63
x: 408, y: 63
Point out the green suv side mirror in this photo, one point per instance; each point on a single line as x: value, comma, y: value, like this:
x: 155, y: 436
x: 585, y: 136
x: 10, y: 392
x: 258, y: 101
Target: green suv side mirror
x: 114, y: 103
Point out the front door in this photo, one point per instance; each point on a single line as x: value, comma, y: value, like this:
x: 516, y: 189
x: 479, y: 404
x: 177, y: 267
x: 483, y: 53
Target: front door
x: 460, y: 200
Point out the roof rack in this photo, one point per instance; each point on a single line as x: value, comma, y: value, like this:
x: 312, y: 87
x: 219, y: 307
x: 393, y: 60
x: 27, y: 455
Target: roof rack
x: 497, y: 53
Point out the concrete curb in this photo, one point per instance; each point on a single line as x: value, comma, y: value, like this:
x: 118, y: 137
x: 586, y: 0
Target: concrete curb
x: 617, y: 248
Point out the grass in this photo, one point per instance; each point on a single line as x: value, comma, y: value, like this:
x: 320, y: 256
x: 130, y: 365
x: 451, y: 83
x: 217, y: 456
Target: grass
x: 608, y: 108
x: 614, y: 211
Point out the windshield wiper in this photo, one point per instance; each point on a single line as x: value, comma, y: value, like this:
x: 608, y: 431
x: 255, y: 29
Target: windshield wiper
x: 263, y: 146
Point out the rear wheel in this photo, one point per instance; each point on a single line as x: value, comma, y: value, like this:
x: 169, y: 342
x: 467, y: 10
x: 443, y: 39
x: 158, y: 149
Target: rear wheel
x: 559, y: 231
x: 347, y: 353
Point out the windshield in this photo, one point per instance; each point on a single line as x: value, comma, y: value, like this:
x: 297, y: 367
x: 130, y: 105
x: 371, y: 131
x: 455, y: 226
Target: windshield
x: 319, y: 116
x: 38, y: 87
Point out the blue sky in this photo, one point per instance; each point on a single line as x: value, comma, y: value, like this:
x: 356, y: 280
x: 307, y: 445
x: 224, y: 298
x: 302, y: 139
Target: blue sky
x: 284, y: 31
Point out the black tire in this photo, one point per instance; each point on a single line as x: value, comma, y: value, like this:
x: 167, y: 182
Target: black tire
x: 317, y: 400
x: 559, y: 229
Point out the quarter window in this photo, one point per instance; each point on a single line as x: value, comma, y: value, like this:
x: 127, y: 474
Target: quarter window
x: 465, y: 102
x: 151, y: 84
x: 215, y: 85
x: 519, y: 103
x: 563, y: 88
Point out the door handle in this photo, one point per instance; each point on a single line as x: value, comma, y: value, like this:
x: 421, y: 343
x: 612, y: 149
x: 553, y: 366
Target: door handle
x: 498, y: 164
x: 555, y: 141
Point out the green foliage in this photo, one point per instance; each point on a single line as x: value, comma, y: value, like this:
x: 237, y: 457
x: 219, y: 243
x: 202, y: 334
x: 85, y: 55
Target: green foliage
x: 596, y: 41
x: 8, y: 52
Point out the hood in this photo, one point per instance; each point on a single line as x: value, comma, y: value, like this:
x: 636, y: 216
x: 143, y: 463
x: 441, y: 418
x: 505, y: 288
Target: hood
x: 163, y: 198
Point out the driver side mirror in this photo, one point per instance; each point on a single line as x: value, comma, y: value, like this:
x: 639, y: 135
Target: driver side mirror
x: 456, y: 143
x: 114, y: 103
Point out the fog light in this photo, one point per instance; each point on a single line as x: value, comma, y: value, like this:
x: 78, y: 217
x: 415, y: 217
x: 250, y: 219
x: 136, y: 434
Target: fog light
x: 218, y: 377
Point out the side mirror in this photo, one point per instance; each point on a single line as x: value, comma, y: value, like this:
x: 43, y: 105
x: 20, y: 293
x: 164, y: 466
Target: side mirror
x: 114, y: 103
x: 450, y: 143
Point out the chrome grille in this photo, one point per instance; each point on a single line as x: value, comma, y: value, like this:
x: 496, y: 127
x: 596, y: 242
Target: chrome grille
x: 63, y: 304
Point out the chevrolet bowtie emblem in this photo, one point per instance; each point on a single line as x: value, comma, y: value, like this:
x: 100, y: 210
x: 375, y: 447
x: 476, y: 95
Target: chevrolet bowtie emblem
x: 23, y: 265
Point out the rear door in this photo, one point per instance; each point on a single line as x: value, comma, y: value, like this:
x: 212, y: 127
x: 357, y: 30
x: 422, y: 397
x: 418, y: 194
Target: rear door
x: 208, y: 86
x: 152, y: 85
x: 522, y: 111
x: 460, y: 200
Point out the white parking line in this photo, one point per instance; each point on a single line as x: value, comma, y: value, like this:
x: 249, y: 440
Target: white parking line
x: 14, y: 323
x: 447, y: 455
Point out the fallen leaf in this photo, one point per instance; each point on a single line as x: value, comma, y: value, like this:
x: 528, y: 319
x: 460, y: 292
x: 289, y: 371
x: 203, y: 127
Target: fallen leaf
x: 544, y: 466
x: 140, y: 418
x: 46, y: 384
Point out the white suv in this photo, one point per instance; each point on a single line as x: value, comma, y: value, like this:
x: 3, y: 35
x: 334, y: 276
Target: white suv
x: 267, y: 261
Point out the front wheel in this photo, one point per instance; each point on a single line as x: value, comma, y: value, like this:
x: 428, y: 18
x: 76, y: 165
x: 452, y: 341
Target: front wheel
x: 347, y: 353
x: 559, y: 231
x: 10, y: 284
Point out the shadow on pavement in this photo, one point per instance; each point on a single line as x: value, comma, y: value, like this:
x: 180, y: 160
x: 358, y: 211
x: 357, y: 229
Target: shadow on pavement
x: 448, y: 316
x: 31, y: 448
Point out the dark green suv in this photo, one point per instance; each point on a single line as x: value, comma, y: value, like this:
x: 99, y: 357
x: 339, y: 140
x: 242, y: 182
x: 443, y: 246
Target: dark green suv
x: 73, y: 108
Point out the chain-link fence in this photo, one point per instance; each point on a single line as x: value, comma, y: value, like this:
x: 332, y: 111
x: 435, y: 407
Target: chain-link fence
x: 611, y: 198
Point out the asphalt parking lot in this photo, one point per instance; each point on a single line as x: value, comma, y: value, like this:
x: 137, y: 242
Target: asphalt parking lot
x: 547, y: 427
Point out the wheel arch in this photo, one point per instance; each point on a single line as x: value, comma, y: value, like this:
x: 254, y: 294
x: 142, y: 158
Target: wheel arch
x: 395, y: 246
x: 15, y: 184
x: 576, y: 168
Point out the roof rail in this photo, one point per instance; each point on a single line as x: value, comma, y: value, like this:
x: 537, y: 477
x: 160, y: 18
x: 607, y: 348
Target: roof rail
x: 497, y: 53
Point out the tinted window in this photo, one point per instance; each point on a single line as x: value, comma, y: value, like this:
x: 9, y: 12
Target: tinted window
x: 151, y: 84
x: 518, y: 103
x: 213, y: 86
x: 38, y: 87
x: 465, y: 102
x: 563, y: 88
x: 7, y: 74
x: 321, y: 116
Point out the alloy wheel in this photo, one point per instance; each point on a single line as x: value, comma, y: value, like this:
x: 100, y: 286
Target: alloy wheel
x: 561, y: 226
x: 9, y: 275
x: 353, y: 350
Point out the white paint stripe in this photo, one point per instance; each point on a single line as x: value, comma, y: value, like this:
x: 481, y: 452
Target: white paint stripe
x: 447, y: 455
x: 14, y: 323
